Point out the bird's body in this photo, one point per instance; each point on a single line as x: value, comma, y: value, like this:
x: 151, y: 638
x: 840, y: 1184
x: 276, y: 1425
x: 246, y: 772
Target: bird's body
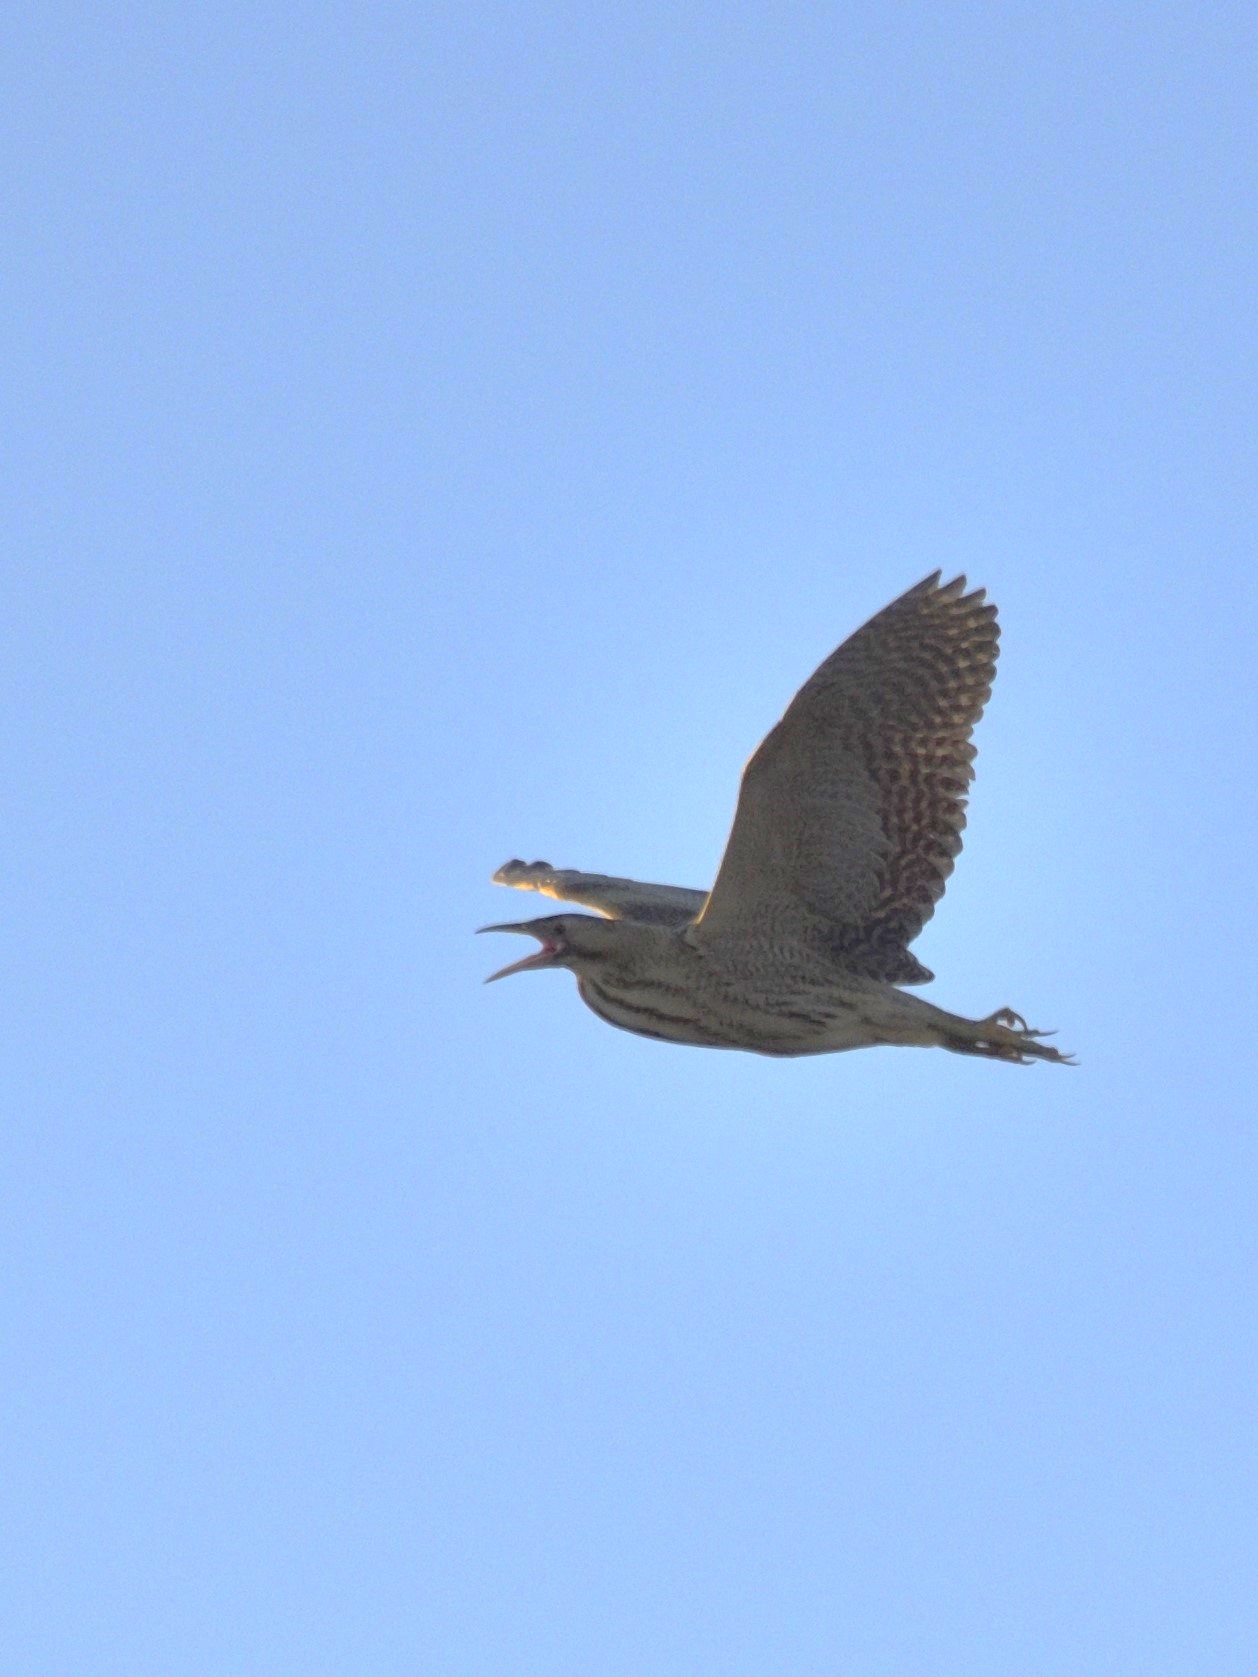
x: 666, y: 985
x: 847, y: 827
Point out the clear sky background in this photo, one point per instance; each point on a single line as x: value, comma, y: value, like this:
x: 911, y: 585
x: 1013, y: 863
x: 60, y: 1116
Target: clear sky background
x: 442, y: 433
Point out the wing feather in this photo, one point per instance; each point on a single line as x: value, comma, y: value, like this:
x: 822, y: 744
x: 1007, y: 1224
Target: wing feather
x: 618, y: 899
x: 850, y: 814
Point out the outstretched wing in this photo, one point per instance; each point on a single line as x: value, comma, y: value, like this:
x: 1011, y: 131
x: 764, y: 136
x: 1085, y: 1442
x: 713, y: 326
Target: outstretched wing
x: 618, y: 899
x: 850, y: 814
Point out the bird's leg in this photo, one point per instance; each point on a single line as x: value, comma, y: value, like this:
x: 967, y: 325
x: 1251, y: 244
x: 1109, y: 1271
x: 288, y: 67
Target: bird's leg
x: 1003, y: 1035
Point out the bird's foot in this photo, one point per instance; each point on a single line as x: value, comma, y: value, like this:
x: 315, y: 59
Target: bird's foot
x: 1005, y: 1035
x: 1015, y: 1021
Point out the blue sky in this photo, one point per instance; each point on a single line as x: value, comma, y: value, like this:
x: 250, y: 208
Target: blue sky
x: 442, y: 434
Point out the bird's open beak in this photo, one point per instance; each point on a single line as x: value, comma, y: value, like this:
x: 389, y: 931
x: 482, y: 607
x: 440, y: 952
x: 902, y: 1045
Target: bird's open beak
x: 543, y: 957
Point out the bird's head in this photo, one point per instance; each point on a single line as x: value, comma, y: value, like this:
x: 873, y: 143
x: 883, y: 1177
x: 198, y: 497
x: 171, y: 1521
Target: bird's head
x: 567, y: 940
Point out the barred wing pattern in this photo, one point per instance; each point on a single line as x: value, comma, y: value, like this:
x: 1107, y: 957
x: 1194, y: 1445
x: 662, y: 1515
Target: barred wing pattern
x: 850, y: 813
x: 618, y: 899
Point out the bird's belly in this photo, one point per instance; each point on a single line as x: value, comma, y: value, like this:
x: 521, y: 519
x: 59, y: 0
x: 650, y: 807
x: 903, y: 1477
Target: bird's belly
x: 780, y: 1024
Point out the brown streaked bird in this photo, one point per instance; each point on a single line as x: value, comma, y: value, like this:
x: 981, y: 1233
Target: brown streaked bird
x: 848, y: 824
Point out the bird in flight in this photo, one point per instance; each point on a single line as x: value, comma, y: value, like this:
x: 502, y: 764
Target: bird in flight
x: 848, y: 824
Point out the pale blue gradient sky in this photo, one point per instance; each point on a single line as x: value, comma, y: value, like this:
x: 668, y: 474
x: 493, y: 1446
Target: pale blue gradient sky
x: 442, y: 433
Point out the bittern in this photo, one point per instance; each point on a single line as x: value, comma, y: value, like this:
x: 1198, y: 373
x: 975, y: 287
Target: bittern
x: 848, y: 825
